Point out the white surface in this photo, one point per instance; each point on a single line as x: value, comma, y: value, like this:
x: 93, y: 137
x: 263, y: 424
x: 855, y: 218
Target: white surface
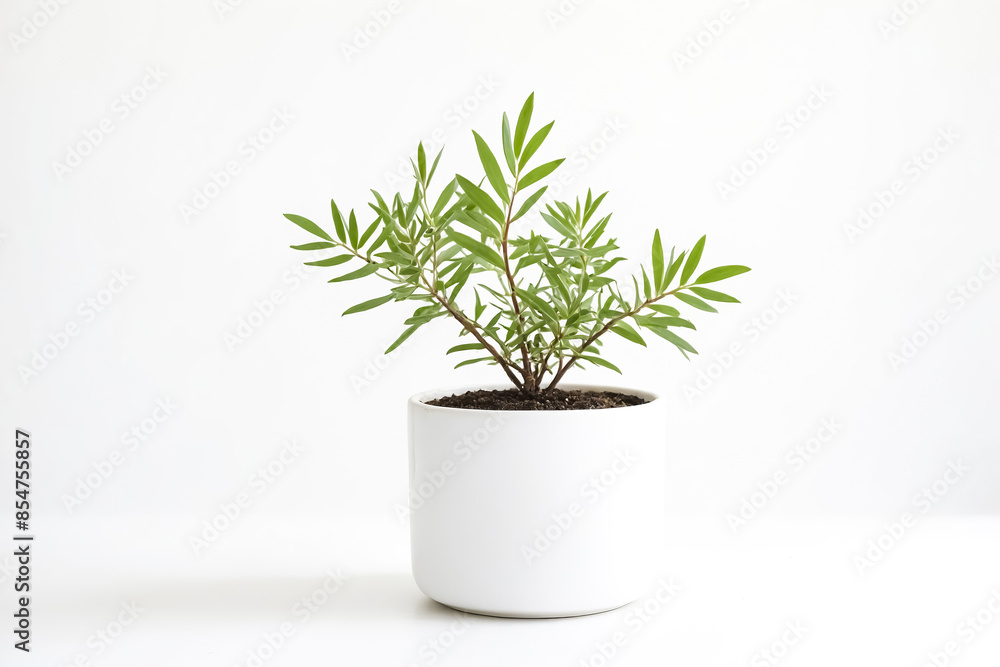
x: 819, y: 319
x: 735, y: 596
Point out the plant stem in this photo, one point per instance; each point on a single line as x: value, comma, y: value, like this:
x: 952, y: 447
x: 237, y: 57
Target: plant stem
x: 531, y: 385
x: 471, y: 328
x: 603, y: 330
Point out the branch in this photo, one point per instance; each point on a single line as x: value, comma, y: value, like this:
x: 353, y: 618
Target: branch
x: 529, y: 377
x: 471, y: 328
x: 603, y: 330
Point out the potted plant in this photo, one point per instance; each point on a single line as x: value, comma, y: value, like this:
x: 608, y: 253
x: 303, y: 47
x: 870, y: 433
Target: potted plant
x: 537, y: 499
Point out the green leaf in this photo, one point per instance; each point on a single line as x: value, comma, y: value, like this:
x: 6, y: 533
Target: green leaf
x: 666, y: 310
x: 600, y: 362
x: 479, y: 222
x: 540, y: 306
x: 626, y: 331
x: 465, y: 347
x: 472, y: 361
x: 481, y: 199
x: 558, y: 225
x: 721, y: 273
x: 444, y: 198
x: 538, y: 173
x: 459, y: 280
x: 308, y: 225
x: 672, y: 271
x: 693, y: 260
x: 352, y: 230
x: 651, y: 321
x: 434, y: 166
x: 379, y: 240
x: 368, y: 305
x: 657, y: 263
x: 411, y: 207
x: 533, y: 144
x: 712, y: 295
x: 365, y: 270
x: 508, y: 145
x: 682, y: 344
x: 645, y: 284
x: 368, y: 232
x: 399, y: 341
x: 331, y: 261
x: 492, y: 168
x: 479, y: 250
x: 529, y: 202
x: 480, y: 307
x: 523, y: 120
x: 338, y: 221
x: 592, y: 208
x: 318, y: 245
x: 422, y: 162
x: 696, y: 302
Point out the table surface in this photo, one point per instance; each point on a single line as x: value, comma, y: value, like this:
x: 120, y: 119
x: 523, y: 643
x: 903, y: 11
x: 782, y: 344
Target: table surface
x: 130, y: 591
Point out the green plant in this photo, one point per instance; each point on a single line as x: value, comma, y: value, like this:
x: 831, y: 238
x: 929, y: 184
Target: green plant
x: 538, y: 305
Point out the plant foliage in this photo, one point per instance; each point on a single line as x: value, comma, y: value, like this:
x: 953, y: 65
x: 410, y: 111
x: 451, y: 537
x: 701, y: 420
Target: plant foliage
x: 535, y: 305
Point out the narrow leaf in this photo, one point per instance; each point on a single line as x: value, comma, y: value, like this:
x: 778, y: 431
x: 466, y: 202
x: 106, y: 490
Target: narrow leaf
x: 508, y: 146
x: 693, y: 259
x: 465, y: 347
x: 368, y: 305
x: 481, y: 199
x: 308, y: 225
x: 331, y: 261
x: 600, y: 362
x: 523, y: 120
x: 696, y: 302
x: 479, y: 222
x: 674, y: 268
x: 444, y: 198
x: 657, y: 262
x: 721, y: 273
x: 478, y: 249
x: 422, y: 162
x: 352, y: 230
x: 399, y: 341
x: 338, y: 221
x: 434, y: 166
x: 539, y: 305
x: 492, y: 168
x: 626, y: 331
x: 472, y: 361
x: 318, y: 245
x: 666, y: 310
x: 529, y: 202
x: 368, y: 232
x: 533, y: 144
x: 365, y: 270
x: 538, y: 173
x: 667, y: 334
x: 712, y: 295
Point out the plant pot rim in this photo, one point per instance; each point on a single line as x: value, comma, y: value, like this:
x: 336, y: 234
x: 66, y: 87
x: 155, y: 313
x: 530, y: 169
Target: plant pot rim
x: 417, y: 401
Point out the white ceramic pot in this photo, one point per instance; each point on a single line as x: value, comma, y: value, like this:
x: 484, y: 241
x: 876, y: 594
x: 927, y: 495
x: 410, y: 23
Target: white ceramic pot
x: 536, y: 514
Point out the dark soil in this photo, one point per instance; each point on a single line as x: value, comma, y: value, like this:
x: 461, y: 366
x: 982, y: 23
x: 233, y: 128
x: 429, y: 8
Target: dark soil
x: 557, y: 399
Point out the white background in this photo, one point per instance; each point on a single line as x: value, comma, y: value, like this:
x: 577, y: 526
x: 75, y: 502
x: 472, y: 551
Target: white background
x: 827, y: 305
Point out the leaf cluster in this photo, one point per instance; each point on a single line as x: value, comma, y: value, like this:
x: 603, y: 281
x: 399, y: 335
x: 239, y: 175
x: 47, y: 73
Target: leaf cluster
x: 535, y: 305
